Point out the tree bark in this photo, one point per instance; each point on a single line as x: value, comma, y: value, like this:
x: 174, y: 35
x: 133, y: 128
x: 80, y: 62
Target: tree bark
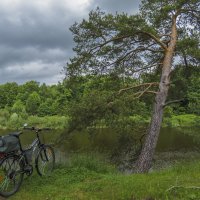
x: 144, y: 161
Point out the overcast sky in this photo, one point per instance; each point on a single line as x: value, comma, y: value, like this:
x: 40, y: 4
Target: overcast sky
x: 35, y: 41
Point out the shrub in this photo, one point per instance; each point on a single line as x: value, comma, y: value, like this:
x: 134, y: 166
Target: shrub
x: 55, y: 122
x: 4, y: 117
x: 184, y: 120
x: 15, y: 121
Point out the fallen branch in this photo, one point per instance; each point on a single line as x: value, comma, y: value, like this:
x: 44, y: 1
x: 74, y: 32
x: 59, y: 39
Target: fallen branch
x: 179, y: 186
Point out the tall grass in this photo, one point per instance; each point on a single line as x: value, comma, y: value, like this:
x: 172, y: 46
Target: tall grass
x: 88, y: 177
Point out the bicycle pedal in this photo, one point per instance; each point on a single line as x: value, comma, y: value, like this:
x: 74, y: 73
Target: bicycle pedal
x: 28, y: 168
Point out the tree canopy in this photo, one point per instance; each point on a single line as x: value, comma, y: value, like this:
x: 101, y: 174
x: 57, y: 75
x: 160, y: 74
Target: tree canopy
x: 128, y: 44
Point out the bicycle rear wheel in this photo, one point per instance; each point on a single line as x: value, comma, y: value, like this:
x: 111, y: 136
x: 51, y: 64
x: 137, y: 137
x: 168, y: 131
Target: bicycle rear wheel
x: 45, y: 160
x: 11, y: 175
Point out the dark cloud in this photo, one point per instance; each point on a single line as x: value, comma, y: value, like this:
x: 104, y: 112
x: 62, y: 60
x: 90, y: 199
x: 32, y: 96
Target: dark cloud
x: 35, y: 27
x: 127, y: 6
x: 11, y: 55
x: 35, y: 41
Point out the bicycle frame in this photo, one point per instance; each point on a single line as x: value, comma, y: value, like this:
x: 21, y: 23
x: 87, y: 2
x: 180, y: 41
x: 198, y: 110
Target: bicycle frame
x: 36, y: 144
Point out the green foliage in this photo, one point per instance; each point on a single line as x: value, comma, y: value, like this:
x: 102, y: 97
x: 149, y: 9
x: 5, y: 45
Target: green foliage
x: 18, y: 107
x: 185, y: 87
x: 8, y: 94
x: 108, y: 44
x: 99, y: 105
x: 194, y: 95
x: 33, y: 103
x: 168, y: 112
x: 15, y: 121
x: 4, y: 117
x: 35, y: 99
x: 188, y: 46
x: 159, y: 13
x: 54, y: 122
x: 187, y: 120
x: 124, y: 44
x: 48, y: 107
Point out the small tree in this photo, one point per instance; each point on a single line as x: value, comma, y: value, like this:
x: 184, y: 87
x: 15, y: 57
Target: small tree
x: 33, y: 103
x: 18, y: 107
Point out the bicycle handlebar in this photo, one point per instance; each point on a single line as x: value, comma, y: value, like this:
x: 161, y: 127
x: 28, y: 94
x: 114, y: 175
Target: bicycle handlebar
x: 29, y: 128
x: 37, y: 129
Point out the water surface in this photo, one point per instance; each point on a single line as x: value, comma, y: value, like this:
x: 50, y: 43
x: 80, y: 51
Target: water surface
x: 170, y: 139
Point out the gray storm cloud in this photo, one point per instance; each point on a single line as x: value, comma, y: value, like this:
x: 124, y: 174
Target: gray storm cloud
x: 35, y: 41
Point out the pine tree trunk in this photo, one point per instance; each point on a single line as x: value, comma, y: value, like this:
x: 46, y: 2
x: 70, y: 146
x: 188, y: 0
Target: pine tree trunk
x: 145, y: 159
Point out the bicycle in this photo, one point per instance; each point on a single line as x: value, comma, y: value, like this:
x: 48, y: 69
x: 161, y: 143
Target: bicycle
x: 15, y: 161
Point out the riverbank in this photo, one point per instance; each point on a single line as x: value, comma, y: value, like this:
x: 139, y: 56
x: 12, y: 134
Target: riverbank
x: 90, y: 178
x: 183, y: 120
x: 61, y: 122
x: 15, y: 122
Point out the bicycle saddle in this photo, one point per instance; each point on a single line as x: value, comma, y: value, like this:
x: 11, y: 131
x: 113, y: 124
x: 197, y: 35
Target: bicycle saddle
x: 17, y: 134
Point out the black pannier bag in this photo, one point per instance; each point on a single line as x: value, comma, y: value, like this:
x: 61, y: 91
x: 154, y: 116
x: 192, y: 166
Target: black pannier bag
x: 9, y: 143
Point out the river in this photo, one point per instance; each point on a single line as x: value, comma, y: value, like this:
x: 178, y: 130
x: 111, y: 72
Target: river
x: 170, y: 139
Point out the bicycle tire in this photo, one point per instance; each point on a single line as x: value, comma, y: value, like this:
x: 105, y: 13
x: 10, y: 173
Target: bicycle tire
x: 45, y: 160
x: 11, y: 175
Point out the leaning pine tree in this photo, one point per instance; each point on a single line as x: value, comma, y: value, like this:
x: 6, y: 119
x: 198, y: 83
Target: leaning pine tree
x: 128, y: 45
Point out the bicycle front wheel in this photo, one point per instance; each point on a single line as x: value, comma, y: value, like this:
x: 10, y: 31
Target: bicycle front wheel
x: 11, y: 175
x: 45, y: 160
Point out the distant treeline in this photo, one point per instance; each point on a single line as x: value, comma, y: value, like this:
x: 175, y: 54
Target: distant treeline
x: 34, y: 103
x: 95, y: 100
x: 34, y: 99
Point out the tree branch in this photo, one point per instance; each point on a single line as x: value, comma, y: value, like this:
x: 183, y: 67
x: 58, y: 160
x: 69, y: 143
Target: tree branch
x: 137, y: 86
x: 151, y: 92
x: 174, y: 101
x: 143, y: 92
x: 157, y: 40
x: 163, y: 35
x: 135, y: 51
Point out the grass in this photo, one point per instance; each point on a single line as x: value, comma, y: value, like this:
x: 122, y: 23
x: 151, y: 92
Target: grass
x: 87, y: 177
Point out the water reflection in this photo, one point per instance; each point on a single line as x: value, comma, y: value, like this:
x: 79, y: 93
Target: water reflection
x: 170, y: 139
x: 28, y: 136
x: 176, y: 139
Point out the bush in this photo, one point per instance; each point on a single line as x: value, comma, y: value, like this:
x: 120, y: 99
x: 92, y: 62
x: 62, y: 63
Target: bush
x: 4, y: 117
x: 55, y: 122
x: 15, y: 121
x: 184, y: 120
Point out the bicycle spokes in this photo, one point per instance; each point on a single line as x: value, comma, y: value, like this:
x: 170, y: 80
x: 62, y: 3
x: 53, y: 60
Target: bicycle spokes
x: 43, y: 166
x: 45, y: 160
x: 46, y: 156
x: 5, y: 184
x: 10, y: 176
